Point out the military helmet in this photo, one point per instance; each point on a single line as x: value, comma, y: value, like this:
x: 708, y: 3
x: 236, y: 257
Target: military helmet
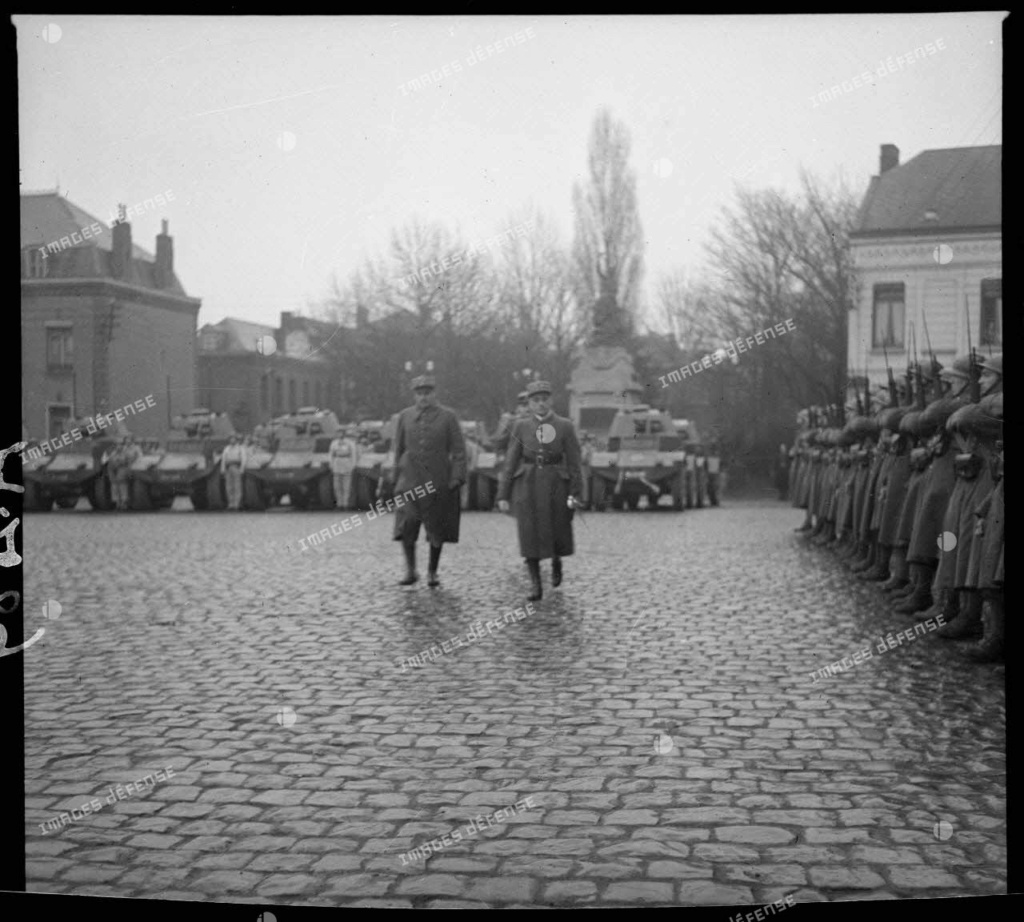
x: 522, y: 397
x: 974, y: 419
x: 993, y: 363
x: 863, y: 427
x: 890, y: 418
x: 961, y: 369
x: 934, y: 416
x: 911, y: 423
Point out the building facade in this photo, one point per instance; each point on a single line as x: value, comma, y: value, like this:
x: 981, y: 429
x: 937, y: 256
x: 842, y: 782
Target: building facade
x: 927, y: 255
x: 103, y: 322
x: 254, y: 372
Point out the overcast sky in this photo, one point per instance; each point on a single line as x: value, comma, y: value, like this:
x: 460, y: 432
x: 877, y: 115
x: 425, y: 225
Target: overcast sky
x: 294, y: 146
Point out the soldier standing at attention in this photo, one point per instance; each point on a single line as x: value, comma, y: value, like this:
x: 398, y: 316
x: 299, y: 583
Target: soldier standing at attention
x: 232, y: 466
x: 121, y: 465
x: 542, y: 474
x: 430, y: 454
x: 343, y: 462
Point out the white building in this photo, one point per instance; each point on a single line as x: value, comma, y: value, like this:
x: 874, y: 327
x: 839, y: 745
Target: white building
x: 928, y: 246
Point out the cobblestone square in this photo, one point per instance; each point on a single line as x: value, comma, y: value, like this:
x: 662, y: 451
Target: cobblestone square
x: 657, y: 708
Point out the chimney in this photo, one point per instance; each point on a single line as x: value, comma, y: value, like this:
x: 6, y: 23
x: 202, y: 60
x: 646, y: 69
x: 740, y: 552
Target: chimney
x: 890, y: 158
x: 164, y: 271
x: 121, y: 249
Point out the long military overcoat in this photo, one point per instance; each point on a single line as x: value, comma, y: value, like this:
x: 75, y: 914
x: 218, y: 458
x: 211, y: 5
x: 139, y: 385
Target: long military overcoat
x: 538, y: 492
x: 430, y: 451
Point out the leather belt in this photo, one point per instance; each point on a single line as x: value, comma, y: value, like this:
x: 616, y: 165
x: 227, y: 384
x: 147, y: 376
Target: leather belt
x: 543, y: 460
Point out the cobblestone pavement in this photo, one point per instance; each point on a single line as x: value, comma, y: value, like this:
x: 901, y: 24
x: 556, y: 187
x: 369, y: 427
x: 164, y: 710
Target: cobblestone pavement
x: 658, y: 708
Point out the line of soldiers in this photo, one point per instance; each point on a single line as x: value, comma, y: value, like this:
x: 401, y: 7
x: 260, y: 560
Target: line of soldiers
x: 911, y: 494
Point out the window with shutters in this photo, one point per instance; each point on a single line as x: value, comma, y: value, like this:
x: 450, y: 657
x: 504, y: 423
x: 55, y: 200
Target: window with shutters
x: 887, y: 317
x: 991, y: 312
x: 60, y: 353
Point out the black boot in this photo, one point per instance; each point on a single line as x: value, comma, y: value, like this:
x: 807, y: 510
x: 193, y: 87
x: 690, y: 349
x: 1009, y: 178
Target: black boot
x: 898, y: 567
x: 990, y: 647
x: 538, y: 592
x: 410, y: 565
x: 968, y: 622
x: 880, y: 570
x: 920, y: 597
x: 556, y: 571
x: 435, y: 557
x: 947, y: 604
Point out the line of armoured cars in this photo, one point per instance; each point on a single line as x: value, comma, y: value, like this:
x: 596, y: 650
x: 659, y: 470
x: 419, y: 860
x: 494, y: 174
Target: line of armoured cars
x: 642, y: 453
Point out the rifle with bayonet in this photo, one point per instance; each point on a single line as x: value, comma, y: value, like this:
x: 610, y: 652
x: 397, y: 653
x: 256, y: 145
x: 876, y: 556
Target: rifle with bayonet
x: 893, y: 398
x: 936, y: 367
x: 974, y: 376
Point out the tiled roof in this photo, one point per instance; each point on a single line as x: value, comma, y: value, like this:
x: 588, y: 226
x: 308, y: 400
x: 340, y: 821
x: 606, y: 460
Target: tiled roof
x: 957, y: 188
x: 46, y: 217
x: 239, y: 335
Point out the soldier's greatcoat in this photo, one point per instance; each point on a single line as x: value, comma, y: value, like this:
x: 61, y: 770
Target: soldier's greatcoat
x: 429, y: 449
x: 538, y: 491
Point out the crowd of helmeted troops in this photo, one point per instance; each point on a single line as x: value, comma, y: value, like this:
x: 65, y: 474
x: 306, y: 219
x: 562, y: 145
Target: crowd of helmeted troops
x: 911, y: 495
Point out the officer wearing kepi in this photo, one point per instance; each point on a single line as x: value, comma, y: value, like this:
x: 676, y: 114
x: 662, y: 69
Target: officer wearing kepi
x: 430, y: 455
x: 542, y: 476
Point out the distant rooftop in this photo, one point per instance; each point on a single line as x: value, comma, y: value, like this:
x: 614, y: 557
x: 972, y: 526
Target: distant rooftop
x: 958, y: 188
x: 46, y: 217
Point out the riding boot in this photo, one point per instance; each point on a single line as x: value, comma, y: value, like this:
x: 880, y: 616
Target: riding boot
x: 990, y: 647
x: 898, y: 568
x: 435, y: 557
x: 947, y: 604
x: 852, y: 551
x: 880, y: 570
x: 534, y: 566
x: 968, y: 622
x: 920, y: 597
x: 865, y: 562
x: 828, y: 534
x: 556, y: 571
x: 410, y: 564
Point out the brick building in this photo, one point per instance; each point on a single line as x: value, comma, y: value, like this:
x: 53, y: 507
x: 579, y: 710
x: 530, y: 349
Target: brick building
x: 255, y: 372
x: 928, y: 245
x: 103, y: 321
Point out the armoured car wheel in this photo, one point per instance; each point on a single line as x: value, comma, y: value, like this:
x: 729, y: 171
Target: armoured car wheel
x: 364, y: 492
x: 325, y: 492
x: 198, y: 497
x: 252, y: 495
x: 99, y: 495
x: 215, y: 496
x: 31, y: 501
x: 140, y: 498
x: 678, y: 491
x: 67, y: 502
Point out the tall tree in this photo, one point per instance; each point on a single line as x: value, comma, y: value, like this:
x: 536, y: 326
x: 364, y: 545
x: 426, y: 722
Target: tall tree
x: 608, y: 246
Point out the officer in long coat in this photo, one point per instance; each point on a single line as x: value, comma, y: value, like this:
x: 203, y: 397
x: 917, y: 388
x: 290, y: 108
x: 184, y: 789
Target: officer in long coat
x: 542, y: 475
x: 430, y: 457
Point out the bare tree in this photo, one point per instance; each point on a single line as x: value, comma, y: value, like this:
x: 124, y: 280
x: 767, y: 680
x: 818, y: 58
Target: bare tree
x: 608, y: 246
